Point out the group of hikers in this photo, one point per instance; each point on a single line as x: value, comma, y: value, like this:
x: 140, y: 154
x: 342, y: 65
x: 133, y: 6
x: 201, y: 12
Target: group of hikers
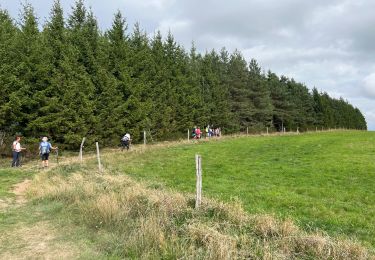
x: 45, y: 148
x: 208, y: 132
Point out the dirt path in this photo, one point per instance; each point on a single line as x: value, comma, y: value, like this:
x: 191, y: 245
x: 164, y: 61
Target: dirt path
x: 22, y: 239
x: 20, y: 191
x: 37, y: 241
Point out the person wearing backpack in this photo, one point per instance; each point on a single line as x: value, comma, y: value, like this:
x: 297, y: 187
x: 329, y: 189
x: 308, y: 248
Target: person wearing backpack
x: 125, y: 142
x: 45, y: 148
x: 16, y: 151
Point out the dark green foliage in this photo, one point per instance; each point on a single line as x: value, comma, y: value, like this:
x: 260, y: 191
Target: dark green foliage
x: 70, y: 80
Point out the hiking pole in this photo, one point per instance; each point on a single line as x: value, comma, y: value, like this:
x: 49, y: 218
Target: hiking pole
x: 57, y: 155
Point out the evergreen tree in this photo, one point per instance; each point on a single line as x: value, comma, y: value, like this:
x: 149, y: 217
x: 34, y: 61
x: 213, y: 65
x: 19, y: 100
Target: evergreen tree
x: 260, y: 98
x: 139, y: 101
x: 240, y: 99
x: 8, y: 79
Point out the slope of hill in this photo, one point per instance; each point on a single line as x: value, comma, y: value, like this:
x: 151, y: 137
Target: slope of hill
x: 321, y: 180
x: 291, y: 201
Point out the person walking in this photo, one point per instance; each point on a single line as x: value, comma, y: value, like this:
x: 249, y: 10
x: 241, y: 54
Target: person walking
x: 16, y: 151
x: 198, y: 133
x: 125, y: 142
x: 45, y: 148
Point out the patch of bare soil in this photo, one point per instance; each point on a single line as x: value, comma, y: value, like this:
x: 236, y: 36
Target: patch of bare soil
x: 20, y: 191
x: 35, y: 242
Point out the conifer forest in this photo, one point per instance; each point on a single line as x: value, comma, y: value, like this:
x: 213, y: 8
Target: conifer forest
x: 67, y: 79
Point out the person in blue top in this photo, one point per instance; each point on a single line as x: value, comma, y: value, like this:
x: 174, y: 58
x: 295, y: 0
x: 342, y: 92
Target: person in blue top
x: 45, y: 148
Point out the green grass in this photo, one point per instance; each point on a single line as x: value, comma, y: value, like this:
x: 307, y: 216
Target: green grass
x: 322, y: 181
x: 10, y: 177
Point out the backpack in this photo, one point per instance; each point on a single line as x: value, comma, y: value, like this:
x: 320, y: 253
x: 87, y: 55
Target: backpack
x: 44, y: 148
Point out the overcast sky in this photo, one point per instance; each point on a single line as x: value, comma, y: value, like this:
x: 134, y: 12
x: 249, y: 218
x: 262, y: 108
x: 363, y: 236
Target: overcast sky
x: 326, y: 44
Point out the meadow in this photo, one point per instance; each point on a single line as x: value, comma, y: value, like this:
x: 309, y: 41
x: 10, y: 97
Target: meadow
x: 322, y: 181
x: 306, y: 196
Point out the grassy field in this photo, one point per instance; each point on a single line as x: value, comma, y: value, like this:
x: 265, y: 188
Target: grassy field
x: 295, y: 197
x: 322, y: 181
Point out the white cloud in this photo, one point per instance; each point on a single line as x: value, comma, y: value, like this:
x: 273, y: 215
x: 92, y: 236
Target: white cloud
x: 175, y: 26
x: 369, y: 85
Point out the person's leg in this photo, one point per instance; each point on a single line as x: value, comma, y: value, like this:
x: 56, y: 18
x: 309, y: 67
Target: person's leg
x: 43, y: 156
x: 14, y: 161
x: 18, y: 161
x: 47, y: 155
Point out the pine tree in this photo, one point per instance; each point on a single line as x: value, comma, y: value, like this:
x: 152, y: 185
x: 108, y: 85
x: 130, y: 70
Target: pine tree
x: 8, y: 79
x: 27, y: 70
x: 139, y: 101
x: 260, y: 98
x: 241, y: 105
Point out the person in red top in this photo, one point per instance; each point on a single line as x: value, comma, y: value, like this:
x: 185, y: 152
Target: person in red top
x: 198, y: 133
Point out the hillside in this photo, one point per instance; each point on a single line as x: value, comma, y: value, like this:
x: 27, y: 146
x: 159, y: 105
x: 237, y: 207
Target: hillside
x: 285, y: 198
x: 321, y: 180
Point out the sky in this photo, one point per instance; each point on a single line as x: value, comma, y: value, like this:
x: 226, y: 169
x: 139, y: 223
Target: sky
x: 329, y: 45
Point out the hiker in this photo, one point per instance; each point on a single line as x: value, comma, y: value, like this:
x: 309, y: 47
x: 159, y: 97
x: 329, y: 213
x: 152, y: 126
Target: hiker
x: 198, y: 133
x: 193, y: 133
x: 217, y: 132
x: 125, y: 142
x: 45, y: 148
x: 16, y: 151
x: 210, y: 132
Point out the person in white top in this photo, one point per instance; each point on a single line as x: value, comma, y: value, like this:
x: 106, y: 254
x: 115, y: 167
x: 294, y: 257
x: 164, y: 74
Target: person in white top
x: 16, y: 150
x: 125, y: 142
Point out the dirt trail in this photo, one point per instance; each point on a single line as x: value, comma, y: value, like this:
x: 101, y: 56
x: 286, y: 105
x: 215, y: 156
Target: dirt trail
x: 39, y: 240
x: 20, y: 191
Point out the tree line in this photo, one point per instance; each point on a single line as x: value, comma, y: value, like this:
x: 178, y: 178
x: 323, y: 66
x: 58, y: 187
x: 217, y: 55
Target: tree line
x: 68, y: 79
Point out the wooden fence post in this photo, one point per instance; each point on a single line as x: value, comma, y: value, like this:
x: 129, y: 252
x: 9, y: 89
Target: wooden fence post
x: 247, y: 130
x: 81, y: 149
x: 188, y: 135
x: 267, y: 130
x: 297, y: 130
x: 144, y: 138
x: 198, y: 168
x: 98, y: 155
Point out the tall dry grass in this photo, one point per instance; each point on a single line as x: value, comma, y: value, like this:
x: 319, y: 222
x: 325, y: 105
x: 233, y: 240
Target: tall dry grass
x: 132, y: 220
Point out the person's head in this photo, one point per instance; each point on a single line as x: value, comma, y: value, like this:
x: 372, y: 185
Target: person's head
x: 18, y: 138
x: 45, y: 139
